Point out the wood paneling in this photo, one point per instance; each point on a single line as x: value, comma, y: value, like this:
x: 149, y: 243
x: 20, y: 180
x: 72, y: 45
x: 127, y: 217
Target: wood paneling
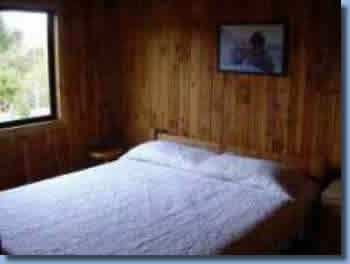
x: 86, y: 99
x: 168, y: 77
x: 128, y: 66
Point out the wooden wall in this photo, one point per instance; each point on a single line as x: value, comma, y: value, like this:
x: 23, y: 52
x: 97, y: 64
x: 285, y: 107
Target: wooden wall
x: 168, y: 77
x: 126, y: 66
x: 86, y: 100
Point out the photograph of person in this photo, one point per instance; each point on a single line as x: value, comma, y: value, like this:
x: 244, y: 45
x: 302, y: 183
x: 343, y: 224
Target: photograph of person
x: 252, y: 49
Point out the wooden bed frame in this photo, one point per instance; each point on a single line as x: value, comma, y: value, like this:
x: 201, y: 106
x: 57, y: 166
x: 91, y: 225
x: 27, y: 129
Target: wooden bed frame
x: 302, y: 179
x: 164, y: 135
x: 294, y: 221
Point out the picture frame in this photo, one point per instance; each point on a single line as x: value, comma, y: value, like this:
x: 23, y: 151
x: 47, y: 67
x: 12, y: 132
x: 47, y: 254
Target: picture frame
x: 259, y: 49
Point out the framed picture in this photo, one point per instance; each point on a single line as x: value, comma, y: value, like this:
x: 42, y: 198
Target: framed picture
x: 252, y: 49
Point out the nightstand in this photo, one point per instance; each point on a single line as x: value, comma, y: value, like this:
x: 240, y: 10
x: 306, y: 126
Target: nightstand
x: 333, y: 194
x: 330, y: 222
x: 104, y: 155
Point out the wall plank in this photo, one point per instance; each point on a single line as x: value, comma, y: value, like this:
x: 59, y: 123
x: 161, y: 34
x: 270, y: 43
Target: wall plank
x: 128, y: 66
x: 297, y: 114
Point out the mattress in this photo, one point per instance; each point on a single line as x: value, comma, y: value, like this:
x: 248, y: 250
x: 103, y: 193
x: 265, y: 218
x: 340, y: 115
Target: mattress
x: 135, y: 207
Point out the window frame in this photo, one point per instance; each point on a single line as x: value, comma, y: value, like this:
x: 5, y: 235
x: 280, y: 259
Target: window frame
x: 51, y: 49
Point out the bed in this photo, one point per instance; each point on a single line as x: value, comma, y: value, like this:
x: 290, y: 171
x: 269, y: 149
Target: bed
x: 167, y: 197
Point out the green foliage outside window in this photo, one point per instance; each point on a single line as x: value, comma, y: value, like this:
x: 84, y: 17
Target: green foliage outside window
x: 23, y: 74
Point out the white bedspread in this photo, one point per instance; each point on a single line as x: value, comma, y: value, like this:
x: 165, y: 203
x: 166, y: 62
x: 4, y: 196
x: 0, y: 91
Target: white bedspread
x: 132, y: 207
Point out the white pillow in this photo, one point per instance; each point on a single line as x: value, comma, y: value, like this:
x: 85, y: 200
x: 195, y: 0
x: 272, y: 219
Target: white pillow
x: 232, y: 167
x: 171, y: 154
x: 256, y: 173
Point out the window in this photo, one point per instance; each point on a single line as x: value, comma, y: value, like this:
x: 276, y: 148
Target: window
x: 27, y: 73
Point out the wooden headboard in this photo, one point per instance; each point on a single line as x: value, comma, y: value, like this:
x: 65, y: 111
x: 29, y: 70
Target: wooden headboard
x: 164, y: 135
x: 313, y: 165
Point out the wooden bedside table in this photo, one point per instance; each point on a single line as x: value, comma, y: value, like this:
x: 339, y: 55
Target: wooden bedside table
x: 333, y: 194
x: 106, y: 154
x: 330, y: 222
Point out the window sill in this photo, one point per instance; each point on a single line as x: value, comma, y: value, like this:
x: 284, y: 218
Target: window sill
x: 27, y: 129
